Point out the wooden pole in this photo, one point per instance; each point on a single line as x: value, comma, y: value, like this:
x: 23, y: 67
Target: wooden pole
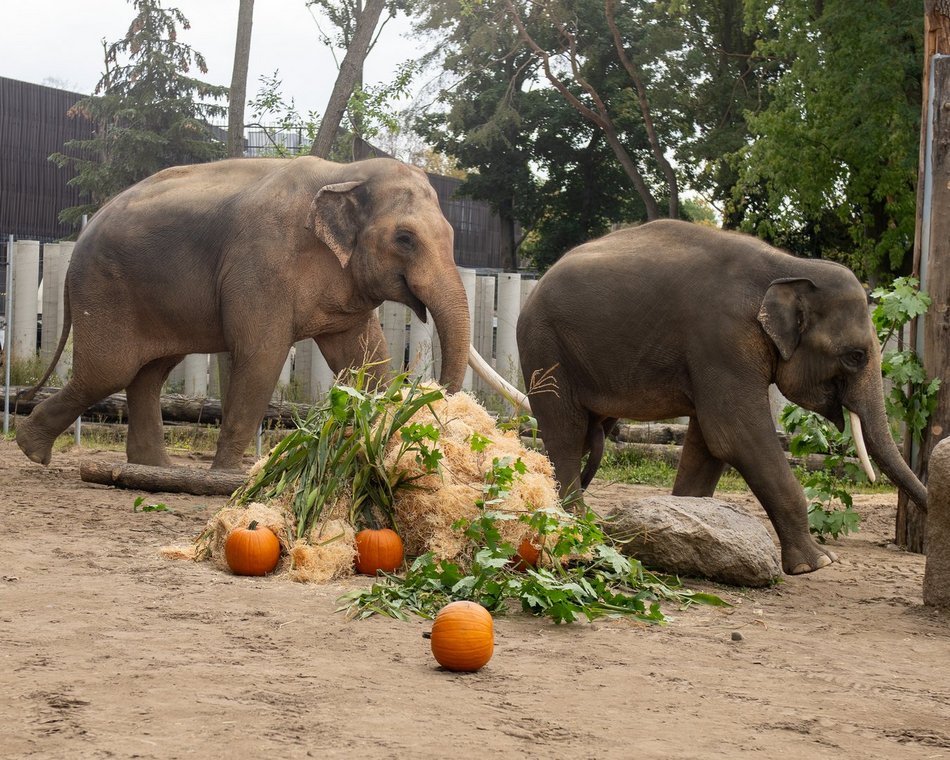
x: 932, y: 255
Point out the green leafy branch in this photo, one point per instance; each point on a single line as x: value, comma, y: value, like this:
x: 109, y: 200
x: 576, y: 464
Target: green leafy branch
x: 343, y: 443
x: 585, y: 576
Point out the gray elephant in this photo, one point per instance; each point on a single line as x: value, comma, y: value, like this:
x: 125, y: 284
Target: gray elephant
x: 672, y: 319
x: 247, y: 256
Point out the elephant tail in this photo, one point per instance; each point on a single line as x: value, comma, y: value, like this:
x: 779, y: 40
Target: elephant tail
x: 64, y: 336
x: 597, y: 432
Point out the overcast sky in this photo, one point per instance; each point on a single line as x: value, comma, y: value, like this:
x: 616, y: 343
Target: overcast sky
x: 58, y: 43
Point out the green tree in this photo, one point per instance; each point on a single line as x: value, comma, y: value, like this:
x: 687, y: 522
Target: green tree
x: 590, y: 52
x: 149, y: 112
x: 480, y: 123
x: 833, y: 157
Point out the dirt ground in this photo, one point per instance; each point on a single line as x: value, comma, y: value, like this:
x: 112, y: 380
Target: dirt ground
x: 109, y: 650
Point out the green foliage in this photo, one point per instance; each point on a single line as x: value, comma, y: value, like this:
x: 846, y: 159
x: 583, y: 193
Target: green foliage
x: 148, y: 111
x: 636, y: 468
x: 830, y: 506
x: 342, y: 444
x: 587, y: 577
x: 272, y: 114
x: 831, y: 170
x: 913, y: 398
x: 370, y: 110
x: 139, y: 505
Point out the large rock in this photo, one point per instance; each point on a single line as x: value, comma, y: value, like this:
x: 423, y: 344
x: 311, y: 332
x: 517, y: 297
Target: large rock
x: 699, y: 537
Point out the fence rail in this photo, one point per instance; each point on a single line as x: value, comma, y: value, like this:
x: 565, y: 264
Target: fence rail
x: 35, y: 323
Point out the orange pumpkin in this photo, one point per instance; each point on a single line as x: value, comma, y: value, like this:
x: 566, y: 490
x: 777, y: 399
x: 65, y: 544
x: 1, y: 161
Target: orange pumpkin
x: 463, y: 636
x: 378, y: 550
x: 253, y: 550
x: 527, y: 556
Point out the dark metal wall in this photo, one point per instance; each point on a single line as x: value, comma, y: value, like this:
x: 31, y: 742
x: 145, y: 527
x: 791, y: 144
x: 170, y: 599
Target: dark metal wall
x: 33, y: 190
x: 477, y: 227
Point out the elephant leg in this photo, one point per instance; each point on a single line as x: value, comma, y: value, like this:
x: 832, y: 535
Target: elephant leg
x: 699, y: 471
x: 597, y: 433
x: 35, y: 435
x: 362, y: 345
x: 254, y: 375
x: 146, y: 439
x: 564, y: 429
x: 744, y: 436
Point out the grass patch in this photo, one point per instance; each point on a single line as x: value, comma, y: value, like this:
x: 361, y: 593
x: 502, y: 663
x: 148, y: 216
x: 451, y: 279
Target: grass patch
x: 635, y: 468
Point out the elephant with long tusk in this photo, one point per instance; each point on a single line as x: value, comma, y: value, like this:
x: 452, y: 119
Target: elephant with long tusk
x: 247, y: 256
x: 672, y: 319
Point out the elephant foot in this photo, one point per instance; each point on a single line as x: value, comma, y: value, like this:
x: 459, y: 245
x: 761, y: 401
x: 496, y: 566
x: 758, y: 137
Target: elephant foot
x: 32, y: 445
x: 798, y: 562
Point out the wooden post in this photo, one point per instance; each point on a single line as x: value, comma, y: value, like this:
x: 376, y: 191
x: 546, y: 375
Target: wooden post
x: 932, y: 254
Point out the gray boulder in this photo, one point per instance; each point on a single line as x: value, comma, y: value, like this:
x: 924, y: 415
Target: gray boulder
x: 698, y: 537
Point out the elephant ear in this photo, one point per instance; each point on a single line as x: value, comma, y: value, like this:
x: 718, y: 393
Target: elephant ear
x: 334, y: 218
x: 784, y: 314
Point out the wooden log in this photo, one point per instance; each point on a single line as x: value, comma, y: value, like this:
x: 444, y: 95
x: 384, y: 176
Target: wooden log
x: 165, y: 479
x: 175, y: 408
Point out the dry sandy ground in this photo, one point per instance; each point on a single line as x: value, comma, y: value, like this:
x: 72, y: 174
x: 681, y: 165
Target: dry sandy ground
x: 109, y: 650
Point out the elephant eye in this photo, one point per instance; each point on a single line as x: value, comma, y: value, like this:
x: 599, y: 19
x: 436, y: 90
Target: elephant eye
x: 854, y: 359
x: 405, y: 239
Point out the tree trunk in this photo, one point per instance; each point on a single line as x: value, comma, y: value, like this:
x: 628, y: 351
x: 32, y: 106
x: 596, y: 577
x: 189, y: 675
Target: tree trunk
x: 932, y: 253
x: 238, y: 92
x: 350, y: 70
x: 165, y: 479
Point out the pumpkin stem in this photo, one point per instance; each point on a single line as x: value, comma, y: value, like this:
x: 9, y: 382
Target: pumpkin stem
x: 252, y: 525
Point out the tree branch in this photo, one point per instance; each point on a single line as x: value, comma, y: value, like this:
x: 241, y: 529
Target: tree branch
x: 600, y: 118
x: 634, y: 74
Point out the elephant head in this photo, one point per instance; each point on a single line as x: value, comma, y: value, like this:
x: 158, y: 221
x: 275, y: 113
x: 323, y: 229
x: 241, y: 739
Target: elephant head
x: 386, y: 227
x: 829, y: 360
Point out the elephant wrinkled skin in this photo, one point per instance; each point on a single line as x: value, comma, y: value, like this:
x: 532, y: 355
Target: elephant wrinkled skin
x: 672, y: 319
x: 247, y: 256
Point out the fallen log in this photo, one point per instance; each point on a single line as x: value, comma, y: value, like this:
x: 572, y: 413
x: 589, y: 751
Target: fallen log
x: 166, y: 479
x: 175, y: 408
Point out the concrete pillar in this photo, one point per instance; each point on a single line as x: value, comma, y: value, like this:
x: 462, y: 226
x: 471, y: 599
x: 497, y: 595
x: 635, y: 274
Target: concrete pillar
x: 311, y: 371
x: 483, y: 325
x: 527, y: 285
x: 194, y: 371
x: 280, y: 392
x: 423, y: 348
x: 26, y: 281
x: 937, y: 569
x: 469, y: 280
x: 506, y: 344
x: 393, y: 317
x: 176, y: 379
x: 64, y: 367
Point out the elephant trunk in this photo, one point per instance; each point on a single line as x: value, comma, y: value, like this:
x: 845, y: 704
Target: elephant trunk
x: 881, y: 446
x: 449, y: 308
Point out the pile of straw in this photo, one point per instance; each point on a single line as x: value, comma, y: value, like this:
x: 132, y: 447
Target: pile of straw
x: 424, y: 513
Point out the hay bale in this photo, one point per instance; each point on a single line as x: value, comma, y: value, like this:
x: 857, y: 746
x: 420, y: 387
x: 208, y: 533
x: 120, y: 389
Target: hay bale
x: 424, y: 513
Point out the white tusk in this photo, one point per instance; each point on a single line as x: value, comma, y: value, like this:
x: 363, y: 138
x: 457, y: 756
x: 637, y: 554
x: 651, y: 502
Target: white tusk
x: 858, y: 436
x: 496, y: 381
